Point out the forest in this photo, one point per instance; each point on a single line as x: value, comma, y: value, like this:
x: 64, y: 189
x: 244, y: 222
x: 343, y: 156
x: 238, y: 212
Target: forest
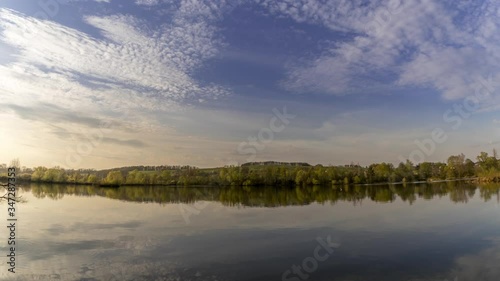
x: 486, y: 168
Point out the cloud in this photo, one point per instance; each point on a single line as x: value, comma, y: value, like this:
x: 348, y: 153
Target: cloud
x: 147, y: 2
x: 98, y: 1
x: 131, y: 66
x: 336, y: 15
x: 58, y: 229
x: 428, y: 44
x: 52, y: 114
x: 131, y: 143
x: 480, y: 266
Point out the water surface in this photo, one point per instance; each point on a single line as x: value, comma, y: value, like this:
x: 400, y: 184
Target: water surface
x: 445, y: 231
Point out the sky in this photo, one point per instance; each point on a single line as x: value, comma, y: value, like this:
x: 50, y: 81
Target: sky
x: 111, y: 83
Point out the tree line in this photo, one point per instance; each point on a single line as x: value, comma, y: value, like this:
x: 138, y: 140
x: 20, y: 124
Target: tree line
x: 486, y: 168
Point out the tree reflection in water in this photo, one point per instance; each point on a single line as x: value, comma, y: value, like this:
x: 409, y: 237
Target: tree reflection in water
x: 458, y: 192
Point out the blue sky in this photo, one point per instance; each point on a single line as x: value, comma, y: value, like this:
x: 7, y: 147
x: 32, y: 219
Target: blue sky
x: 113, y: 83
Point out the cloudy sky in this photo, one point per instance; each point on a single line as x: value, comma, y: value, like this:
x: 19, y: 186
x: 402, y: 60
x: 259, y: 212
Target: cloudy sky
x: 108, y: 83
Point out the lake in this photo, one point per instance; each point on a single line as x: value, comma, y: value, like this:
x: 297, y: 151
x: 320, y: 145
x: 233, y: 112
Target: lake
x: 443, y: 231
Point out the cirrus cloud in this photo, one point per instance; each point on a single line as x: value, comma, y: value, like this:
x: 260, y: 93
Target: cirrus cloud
x: 428, y: 44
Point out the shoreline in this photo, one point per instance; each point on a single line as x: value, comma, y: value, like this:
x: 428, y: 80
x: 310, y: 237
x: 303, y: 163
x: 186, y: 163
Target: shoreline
x: 104, y: 185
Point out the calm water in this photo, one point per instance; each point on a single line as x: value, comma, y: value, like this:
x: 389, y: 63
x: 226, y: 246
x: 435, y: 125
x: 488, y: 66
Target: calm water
x: 416, y: 232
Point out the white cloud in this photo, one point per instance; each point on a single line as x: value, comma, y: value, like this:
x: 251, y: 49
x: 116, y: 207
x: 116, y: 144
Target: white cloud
x: 147, y: 2
x: 130, y: 76
x: 336, y: 15
x: 137, y: 66
x: 99, y: 1
x: 422, y: 43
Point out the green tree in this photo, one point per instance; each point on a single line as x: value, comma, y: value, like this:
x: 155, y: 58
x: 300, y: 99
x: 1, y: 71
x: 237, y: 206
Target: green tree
x: 486, y: 162
x: 301, y: 178
x: 456, y: 166
x: 92, y: 179
x: 38, y: 173
x: 470, y: 168
x: 131, y: 177
x: 55, y: 174
x: 114, y: 178
x: 165, y: 177
x: 424, y: 171
x: 382, y: 172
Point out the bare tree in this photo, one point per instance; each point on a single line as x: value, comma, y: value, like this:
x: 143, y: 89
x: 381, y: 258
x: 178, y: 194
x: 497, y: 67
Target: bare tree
x: 15, y: 163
